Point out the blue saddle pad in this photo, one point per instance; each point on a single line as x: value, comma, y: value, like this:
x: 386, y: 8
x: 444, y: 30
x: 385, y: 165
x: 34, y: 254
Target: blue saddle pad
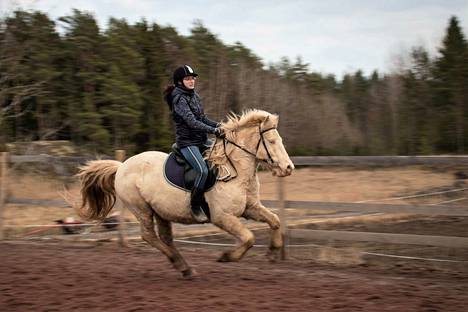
x: 183, y: 176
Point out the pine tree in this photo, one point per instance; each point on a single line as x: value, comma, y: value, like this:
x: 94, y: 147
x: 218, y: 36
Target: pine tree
x: 354, y: 92
x: 30, y: 48
x: 120, y: 97
x: 95, y: 137
x: 121, y: 108
x: 83, y: 74
x: 417, y: 116
x: 451, y: 83
x: 43, y: 62
x: 155, y: 132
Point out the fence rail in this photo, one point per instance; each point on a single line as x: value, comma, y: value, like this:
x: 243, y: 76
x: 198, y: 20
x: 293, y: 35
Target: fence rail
x: 387, y: 238
x: 43, y: 158
x: 38, y: 202
x: 379, y: 160
x: 374, y: 207
x: 297, y: 160
x: 459, y: 211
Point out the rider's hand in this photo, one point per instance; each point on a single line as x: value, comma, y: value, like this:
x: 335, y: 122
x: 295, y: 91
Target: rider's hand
x: 219, y: 132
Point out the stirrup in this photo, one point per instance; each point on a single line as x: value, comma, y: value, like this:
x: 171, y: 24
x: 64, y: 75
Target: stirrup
x: 199, y: 216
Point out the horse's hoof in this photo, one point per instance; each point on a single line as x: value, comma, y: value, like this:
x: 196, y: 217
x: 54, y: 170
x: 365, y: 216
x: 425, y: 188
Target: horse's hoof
x: 225, y: 257
x: 189, y: 274
x: 124, y: 244
x: 274, y: 254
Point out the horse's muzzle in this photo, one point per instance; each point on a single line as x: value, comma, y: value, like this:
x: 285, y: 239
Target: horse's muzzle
x: 289, y: 169
x: 283, y: 171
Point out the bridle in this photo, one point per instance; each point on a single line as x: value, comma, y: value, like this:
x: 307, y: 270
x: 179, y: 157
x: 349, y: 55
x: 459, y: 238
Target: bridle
x: 261, y: 140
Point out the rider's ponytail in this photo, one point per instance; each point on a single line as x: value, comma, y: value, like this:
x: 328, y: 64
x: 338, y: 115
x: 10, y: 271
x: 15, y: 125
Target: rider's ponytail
x: 167, y: 95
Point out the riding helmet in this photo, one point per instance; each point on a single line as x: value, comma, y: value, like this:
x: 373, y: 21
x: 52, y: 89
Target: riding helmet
x: 182, y: 72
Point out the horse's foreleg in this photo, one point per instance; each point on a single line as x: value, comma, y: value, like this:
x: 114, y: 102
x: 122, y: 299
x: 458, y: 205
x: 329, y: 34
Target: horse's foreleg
x: 258, y: 212
x: 233, y: 226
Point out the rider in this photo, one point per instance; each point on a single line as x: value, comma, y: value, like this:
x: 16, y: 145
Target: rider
x: 192, y: 127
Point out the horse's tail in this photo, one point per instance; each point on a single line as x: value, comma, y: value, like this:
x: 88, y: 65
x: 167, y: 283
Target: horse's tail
x: 97, y: 179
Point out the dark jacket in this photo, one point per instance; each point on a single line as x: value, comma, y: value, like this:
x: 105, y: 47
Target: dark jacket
x: 192, y: 125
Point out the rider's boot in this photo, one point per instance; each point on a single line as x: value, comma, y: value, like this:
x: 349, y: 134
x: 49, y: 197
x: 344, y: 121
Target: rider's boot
x: 197, y: 201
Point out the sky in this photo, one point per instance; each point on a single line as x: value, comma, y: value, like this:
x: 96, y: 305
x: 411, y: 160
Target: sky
x: 332, y: 36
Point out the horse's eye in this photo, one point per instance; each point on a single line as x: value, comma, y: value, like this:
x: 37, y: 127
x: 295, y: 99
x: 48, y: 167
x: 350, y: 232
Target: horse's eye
x: 272, y: 141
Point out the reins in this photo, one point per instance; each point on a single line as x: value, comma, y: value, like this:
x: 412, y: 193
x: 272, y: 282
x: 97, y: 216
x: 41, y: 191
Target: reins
x: 269, y: 160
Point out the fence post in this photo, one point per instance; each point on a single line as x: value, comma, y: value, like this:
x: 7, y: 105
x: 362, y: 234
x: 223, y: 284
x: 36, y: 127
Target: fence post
x: 282, y: 216
x: 120, y: 156
x: 4, y: 156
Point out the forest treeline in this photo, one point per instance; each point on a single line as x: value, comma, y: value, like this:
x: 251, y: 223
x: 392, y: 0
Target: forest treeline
x: 67, y: 79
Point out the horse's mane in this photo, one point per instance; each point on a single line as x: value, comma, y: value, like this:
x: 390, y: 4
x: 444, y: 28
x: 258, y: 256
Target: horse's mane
x: 246, y: 118
x: 233, y: 123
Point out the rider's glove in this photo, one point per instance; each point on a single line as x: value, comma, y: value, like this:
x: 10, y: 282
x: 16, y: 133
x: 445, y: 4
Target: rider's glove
x: 219, y: 132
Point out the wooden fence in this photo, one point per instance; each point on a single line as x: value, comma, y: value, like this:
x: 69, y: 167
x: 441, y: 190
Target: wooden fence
x: 6, y: 159
x: 284, y: 204
x: 3, y: 186
x: 366, y: 161
x: 372, y: 207
x: 411, y: 239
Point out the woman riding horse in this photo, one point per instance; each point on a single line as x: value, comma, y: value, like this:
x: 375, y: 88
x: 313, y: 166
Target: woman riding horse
x: 140, y: 186
x: 192, y: 127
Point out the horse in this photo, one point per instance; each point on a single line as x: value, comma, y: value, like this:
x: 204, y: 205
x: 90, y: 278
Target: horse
x: 251, y: 139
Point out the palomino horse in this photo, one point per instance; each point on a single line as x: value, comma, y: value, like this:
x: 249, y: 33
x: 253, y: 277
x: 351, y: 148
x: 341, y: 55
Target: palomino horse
x: 139, y: 184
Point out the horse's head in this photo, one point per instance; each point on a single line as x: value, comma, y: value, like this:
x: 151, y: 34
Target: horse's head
x: 256, y: 133
x: 270, y: 148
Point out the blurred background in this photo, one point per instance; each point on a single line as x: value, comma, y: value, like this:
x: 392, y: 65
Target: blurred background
x: 367, y: 78
x: 83, y: 79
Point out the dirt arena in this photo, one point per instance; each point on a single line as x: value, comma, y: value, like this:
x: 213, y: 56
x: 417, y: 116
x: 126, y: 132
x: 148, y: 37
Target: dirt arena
x: 103, y: 277
x: 63, y: 275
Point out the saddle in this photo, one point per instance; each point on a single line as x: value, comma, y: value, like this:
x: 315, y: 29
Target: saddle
x: 180, y: 174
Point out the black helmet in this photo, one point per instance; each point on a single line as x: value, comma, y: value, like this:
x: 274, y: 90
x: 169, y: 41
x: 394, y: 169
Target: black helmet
x: 182, y: 72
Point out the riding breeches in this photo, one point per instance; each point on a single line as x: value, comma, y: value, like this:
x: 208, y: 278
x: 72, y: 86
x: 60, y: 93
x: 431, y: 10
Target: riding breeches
x: 194, y: 157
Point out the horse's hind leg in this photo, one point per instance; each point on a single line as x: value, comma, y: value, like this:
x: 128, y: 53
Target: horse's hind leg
x: 122, y: 228
x: 233, y: 226
x: 165, y: 231
x: 165, y: 235
x: 145, y: 215
x: 258, y: 212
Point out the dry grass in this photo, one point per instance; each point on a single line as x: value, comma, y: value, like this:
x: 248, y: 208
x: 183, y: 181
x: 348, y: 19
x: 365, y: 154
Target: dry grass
x: 315, y: 184
x: 37, y: 187
x: 18, y: 215
x: 351, y: 185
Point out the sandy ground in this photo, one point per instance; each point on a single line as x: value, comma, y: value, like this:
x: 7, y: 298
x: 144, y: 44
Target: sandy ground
x: 83, y: 277
x: 48, y: 275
